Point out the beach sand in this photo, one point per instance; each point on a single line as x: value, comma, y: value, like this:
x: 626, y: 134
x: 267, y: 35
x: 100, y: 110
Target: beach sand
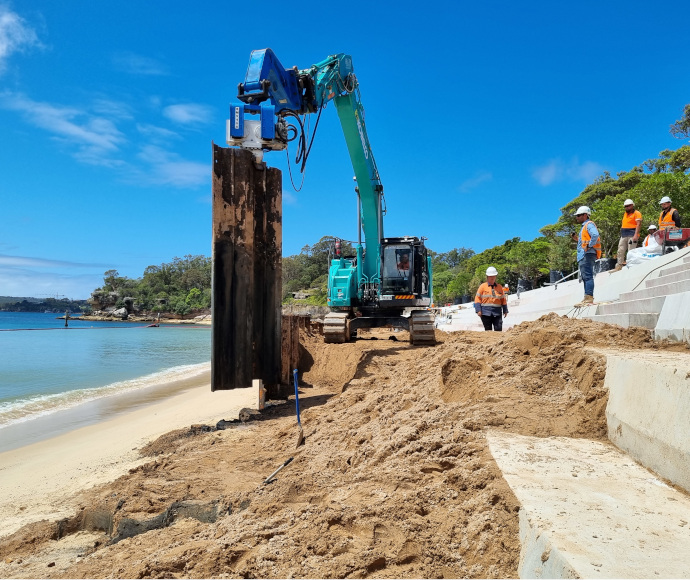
x: 39, y: 481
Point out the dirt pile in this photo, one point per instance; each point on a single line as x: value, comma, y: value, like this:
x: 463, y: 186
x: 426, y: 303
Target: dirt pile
x: 394, y: 480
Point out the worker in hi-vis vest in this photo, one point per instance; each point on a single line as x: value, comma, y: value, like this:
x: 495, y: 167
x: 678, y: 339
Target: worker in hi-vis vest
x: 630, y: 232
x: 588, y: 252
x: 669, y: 216
x: 490, y: 302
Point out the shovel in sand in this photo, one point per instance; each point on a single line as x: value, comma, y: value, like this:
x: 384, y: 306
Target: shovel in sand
x: 300, y: 435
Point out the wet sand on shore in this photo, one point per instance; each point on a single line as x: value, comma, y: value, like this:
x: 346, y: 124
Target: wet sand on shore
x: 38, y: 480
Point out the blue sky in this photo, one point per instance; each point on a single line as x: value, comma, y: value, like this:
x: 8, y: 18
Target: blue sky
x: 484, y: 117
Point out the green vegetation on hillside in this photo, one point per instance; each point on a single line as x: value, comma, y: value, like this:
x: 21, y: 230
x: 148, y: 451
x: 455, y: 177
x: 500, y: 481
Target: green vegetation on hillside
x: 29, y: 304
x: 180, y: 286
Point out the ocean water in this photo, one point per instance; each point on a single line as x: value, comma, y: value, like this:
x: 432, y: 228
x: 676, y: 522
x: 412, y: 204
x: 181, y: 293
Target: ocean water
x: 46, y: 369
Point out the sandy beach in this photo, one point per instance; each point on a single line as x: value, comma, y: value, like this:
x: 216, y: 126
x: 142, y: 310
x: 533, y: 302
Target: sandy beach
x: 38, y: 481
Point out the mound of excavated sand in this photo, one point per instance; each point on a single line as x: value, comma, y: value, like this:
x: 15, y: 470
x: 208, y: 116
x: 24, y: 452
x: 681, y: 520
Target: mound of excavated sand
x: 394, y: 480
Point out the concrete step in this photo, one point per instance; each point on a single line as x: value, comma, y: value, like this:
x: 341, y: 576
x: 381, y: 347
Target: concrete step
x: 589, y: 511
x: 628, y: 319
x: 643, y: 305
x: 669, y: 278
x: 662, y: 290
x: 674, y: 269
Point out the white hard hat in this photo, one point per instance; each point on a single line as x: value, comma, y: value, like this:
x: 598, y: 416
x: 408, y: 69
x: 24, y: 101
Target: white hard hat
x: 665, y: 199
x: 628, y: 202
x: 491, y: 271
x: 583, y: 209
x: 652, y: 227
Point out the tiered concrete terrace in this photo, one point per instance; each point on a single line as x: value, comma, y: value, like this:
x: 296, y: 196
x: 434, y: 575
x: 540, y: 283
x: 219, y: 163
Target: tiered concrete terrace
x: 594, y: 510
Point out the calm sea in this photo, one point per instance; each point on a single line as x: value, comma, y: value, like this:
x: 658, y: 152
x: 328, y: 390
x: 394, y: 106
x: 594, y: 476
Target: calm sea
x: 46, y: 368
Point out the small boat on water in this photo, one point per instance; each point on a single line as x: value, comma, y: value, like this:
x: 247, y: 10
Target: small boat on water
x: 154, y: 325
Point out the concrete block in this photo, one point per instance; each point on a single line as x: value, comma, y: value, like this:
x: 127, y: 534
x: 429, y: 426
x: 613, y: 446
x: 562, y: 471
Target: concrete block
x: 674, y: 319
x: 648, y: 411
x: 644, y: 305
x: 589, y: 511
x: 627, y: 319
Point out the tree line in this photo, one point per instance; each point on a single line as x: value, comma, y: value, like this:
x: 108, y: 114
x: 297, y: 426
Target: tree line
x: 180, y: 286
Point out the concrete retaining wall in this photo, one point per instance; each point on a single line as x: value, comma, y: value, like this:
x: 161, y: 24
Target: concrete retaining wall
x: 648, y: 411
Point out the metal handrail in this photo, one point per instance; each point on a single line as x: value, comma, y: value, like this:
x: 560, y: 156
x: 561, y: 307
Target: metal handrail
x: 557, y: 282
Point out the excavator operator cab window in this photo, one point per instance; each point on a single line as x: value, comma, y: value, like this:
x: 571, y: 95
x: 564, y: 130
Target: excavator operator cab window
x: 397, y: 269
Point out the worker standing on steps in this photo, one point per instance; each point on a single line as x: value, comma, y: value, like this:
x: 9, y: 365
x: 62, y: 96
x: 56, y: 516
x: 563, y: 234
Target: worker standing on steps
x: 588, y: 251
x: 630, y: 232
x: 490, y: 302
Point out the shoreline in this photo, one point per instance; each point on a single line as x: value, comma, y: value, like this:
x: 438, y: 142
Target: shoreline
x: 34, y: 429
x: 201, y: 320
x: 39, y: 480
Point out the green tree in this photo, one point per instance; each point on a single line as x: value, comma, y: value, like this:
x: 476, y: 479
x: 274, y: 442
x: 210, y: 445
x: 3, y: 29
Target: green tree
x: 561, y: 255
x: 530, y: 259
x: 681, y: 128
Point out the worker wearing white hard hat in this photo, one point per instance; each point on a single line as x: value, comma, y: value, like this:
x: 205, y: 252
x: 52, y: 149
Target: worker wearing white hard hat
x: 490, y: 302
x: 630, y: 233
x: 669, y: 216
x: 588, y: 251
x: 650, y: 236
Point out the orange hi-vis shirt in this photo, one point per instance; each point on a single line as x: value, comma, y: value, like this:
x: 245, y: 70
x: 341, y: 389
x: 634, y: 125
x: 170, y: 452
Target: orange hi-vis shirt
x: 630, y: 221
x: 490, y: 300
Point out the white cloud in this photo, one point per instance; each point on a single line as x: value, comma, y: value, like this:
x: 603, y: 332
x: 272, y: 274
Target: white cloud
x: 30, y: 276
x: 156, y: 133
x: 92, y: 137
x: 166, y: 168
x: 188, y: 114
x: 136, y: 64
x: 289, y: 198
x: 15, y: 35
x: 549, y: 173
x: 113, y: 109
x: 558, y: 170
x: 29, y: 262
x: 473, y: 182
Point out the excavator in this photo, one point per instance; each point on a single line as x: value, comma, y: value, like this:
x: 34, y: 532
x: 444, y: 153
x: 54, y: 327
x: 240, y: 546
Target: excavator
x: 388, y: 282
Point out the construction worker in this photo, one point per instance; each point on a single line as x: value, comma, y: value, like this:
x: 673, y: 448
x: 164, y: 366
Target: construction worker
x: 669, y: 216
x: 404, y: 263
x: 490, y: 302
x: 650, y: 236
x: 588, y: 251
x: 630, y: 232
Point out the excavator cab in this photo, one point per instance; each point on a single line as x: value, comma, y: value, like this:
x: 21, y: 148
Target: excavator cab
x: 405, y: 272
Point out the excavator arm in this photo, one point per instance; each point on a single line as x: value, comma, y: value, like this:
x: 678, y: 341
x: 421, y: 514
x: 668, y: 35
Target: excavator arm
x: 375, y: 283
x: 275, y: 94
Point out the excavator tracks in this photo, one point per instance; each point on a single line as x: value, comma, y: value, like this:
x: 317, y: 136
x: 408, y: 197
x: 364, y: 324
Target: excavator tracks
x: 422, y: 328
x: 335, y: 328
